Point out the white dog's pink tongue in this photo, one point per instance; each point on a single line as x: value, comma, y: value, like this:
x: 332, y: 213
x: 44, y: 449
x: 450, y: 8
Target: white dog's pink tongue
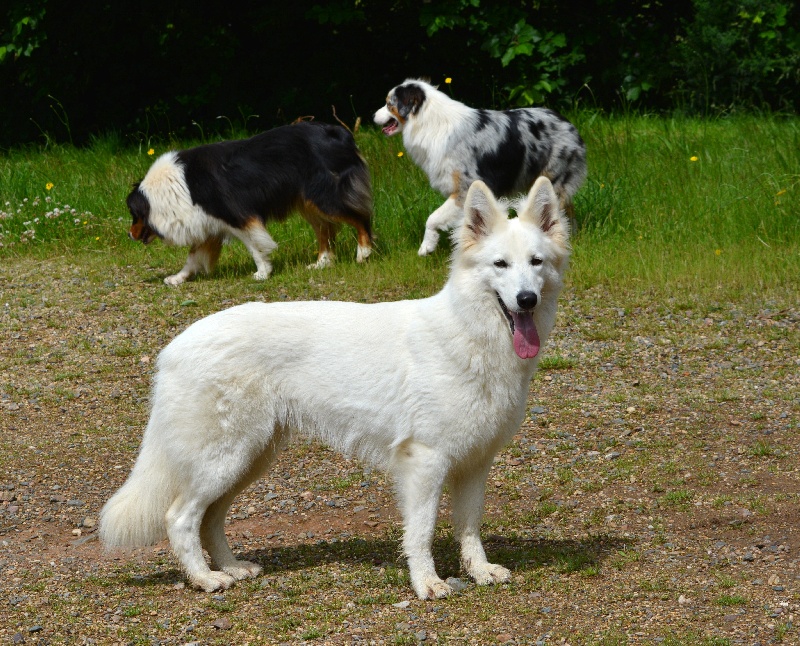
x: 526, y: 338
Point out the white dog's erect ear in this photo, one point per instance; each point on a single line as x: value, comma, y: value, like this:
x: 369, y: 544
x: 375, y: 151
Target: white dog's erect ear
x: 543, y: 208
x: 481, y: 211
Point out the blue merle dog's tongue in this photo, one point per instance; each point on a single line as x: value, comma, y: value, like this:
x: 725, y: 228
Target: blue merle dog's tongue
x: 526, y: 338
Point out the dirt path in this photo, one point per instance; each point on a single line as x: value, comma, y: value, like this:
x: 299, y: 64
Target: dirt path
x: 651, y: 497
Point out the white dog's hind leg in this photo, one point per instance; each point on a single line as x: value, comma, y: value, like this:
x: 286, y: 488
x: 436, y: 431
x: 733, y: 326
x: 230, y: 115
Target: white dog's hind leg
x: 447, y: 216
x: 183, y: 528
x: 467, y: 499
x: 213, y: 539
x: 260, y: 245
x: 419, y: 475
x: 212, y: 529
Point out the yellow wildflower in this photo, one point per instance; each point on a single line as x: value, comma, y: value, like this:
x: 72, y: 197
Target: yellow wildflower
x: 49, y: 185
x: 693, y: 158
x: 718, y: 252
x: 400, y: 154
x: 448, y: 80
x: 151, y: 152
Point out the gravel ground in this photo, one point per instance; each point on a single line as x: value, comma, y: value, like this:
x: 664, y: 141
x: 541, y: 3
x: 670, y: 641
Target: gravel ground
x: 651, y: 497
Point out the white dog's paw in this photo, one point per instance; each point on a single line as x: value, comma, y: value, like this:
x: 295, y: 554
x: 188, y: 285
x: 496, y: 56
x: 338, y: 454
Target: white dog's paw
x: 489, y: 573
x: 175, y: 280
x: 429, y: 243
x: 212, y: 581
x: 243, y: 570
x: 262, y: 274
x: 432, y: 587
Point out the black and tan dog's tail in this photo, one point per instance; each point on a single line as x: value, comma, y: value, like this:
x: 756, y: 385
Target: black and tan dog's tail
x: 345, y: 196
x: 355, y: 190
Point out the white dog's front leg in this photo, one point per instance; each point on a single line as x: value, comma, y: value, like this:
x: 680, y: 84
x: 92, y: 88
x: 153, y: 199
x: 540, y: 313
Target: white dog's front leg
x: 447, y: 216
x: 419, y: 478
x: 467, y: 497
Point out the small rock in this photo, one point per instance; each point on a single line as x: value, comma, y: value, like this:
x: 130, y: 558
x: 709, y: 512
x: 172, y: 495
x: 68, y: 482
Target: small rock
x: 457, y: 584
x: 421, y: 635
x: 612, y: 456
x: 749, y: 557
x: 18, y: 638
x: 504, y: 637
x: 682, y: 600
x: 35, y: 629
x: 89, y: 522
x: 402, y: 604
x: 223, y: 623
x: 774, y: 580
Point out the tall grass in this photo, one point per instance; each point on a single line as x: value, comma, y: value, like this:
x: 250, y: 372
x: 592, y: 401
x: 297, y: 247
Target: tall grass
x: 669, y: 204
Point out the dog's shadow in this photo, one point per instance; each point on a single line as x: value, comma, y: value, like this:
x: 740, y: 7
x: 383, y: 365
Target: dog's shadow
x: 519, y: 555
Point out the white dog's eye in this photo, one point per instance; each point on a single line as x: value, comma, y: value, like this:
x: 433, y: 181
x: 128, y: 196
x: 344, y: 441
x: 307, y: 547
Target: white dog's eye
x: 501, y: 264
x: 536, y: 261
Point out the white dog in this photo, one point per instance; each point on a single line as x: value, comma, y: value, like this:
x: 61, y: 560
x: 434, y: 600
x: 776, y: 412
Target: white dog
x: 428, y: 389
x: 456, y: 145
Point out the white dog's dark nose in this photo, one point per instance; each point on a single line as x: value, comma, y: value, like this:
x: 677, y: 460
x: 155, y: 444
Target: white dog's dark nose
x: 527, y: 300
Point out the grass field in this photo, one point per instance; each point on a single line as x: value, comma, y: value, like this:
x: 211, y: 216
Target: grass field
x: 670, y: 203
x: 652, y: 495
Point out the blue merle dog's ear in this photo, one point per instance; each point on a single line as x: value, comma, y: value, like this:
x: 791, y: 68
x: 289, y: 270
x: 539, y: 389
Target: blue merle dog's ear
x: 410, y: 98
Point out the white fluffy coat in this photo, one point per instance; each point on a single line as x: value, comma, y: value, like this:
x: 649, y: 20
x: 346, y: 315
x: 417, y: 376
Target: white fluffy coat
x: 428, y: 389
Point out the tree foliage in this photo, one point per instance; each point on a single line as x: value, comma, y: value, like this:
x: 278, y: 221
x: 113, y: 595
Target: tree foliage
x: 153, y: 69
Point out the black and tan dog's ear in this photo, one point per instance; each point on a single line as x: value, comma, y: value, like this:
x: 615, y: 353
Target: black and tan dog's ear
x: 409, y: 98
x: 543, y: 208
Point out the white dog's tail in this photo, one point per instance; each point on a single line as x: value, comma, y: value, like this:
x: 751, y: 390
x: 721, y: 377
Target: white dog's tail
x: 135, y: 515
